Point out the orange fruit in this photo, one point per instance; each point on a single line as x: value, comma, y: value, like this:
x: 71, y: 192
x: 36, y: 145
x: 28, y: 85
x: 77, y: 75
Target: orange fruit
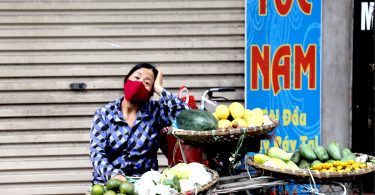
x: 327, y: 165
x: 318, y: 167
x: 332, y: 169
x: 344, y: 164
x: 350, y: 162
x: 356, y: 165
x: 336, y: 163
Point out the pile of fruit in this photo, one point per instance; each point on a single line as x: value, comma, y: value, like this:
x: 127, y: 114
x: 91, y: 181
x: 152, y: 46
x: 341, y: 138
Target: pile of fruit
x: 276, y: 158
x: 325, y: 159
x: 113, y: 187
x: 236, y: 116
x: 180, y: 178
x: 331, y: 158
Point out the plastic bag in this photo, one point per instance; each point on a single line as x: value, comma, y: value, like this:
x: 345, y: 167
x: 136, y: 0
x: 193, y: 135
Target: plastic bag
x: 189, y: 99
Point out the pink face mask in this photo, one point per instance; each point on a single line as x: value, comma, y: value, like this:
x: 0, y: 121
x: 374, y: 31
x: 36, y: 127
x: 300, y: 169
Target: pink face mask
x: 135, y: 91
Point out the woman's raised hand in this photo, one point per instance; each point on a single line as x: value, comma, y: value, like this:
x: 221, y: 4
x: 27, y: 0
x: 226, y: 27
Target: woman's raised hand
x: 158, y: 85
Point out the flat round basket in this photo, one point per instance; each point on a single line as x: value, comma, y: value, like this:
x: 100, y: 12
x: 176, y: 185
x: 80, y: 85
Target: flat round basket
x: 207, y: 186
x: 304, y: 174
x: 223, y: 135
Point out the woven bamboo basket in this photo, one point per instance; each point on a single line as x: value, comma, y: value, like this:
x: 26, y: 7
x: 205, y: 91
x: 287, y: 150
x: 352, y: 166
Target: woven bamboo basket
x: 304, y: 174
x: 199, y: 189
x: 223, y: 135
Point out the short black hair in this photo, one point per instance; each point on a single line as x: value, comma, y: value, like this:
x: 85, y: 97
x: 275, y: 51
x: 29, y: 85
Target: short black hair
x: 143, y: 65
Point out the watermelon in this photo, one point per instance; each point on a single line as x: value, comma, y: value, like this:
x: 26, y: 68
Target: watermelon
x: 198, y: 120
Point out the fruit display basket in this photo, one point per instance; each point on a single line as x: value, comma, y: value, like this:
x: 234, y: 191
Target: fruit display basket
x: 199, y: 189
x: 223, y: 135
x: 304, y: 174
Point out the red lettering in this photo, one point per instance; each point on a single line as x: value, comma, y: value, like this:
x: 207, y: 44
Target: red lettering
x: 262, y: 7
x: 260, y: 62
x: 283, y: 8
x: 307, y: 63
x: 281, y: 68
x: 305, y: 6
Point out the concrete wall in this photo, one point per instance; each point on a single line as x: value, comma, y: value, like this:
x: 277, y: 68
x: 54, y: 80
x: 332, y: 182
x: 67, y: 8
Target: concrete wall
x: 337, y: 22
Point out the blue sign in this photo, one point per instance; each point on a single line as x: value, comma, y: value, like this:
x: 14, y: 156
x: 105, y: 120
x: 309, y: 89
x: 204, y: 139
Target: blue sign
x: 283, y: 68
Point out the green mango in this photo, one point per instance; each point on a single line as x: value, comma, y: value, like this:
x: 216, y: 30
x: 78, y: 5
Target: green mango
x: 296, y: 157
x: 278, y: 163
x: 321, y: 153
x: 307, y: 153
x: 275, y: 152
x: 304, y: 164
x: 291, y: 165
x: 347, y: 155
x: 333, y: 150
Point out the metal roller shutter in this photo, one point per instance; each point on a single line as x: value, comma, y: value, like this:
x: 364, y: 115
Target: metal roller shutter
x: 47, y: 45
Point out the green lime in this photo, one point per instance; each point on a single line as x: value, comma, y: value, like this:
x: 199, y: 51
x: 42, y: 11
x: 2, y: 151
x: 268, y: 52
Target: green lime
x: 127, y: 188
x: 97, y: 189
x: 109, y: 192
x: 113, y: 184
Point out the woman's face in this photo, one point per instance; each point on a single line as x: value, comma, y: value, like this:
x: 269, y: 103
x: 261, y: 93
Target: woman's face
x: 144, y: 75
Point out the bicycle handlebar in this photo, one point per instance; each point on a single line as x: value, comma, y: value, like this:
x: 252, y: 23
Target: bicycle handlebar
x: 222, y: 89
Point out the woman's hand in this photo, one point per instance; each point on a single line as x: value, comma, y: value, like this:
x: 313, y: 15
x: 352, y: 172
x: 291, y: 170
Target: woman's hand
x: 120, y: 177
x: 158, y: 85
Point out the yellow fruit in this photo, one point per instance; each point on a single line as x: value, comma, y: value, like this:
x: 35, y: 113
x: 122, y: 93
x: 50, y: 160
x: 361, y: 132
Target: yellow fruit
x: 215, y: 115
x: 339, y: 167
x: 224, y: 123
x: 278, y: 163
x: 318, y: 167
x: 350, y: 162
x: 323, y: 170
x: 236, y: 110
x: 348, y: 169
x: 238, y: 122
x: 327, y: 165
x: 247, y: 115
x: 255, y: 120
x: 257, y: 111
x: 362, y: 166
x: 222, y: 111
x: 356, y: 165
x: 357, y: 169
x: 344, y: 164
x: 336, y: 163
x: 261, y: 158
x: 332, y: 169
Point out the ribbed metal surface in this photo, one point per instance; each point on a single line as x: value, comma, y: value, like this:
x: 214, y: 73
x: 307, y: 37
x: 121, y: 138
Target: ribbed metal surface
x: 46, y: 45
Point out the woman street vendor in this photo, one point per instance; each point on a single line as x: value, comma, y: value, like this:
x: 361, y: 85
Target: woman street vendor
x: 123, y: 137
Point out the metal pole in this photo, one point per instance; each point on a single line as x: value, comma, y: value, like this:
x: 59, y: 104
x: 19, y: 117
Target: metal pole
x: 372, y: 93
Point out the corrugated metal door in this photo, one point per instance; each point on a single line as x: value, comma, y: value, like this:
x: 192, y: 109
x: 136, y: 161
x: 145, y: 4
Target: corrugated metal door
x: 47, y: 45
